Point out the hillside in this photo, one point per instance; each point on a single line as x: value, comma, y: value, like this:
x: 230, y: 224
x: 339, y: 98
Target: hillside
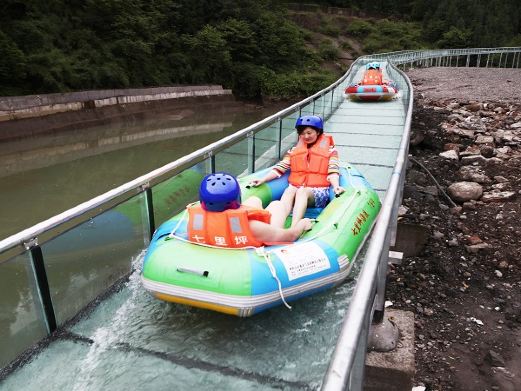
x: 258, y: 48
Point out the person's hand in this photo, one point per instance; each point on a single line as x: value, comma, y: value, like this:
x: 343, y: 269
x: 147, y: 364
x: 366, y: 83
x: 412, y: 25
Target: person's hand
x: 305, y: 224
x: 338, y: 190
x: 256, y: 182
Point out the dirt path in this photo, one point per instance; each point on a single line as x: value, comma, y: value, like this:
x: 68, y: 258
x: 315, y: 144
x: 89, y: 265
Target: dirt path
x: 465, y: 286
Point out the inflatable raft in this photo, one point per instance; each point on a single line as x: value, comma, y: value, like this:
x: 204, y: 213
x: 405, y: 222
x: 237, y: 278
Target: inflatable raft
x: 243, y: 282
x: 372, y: 87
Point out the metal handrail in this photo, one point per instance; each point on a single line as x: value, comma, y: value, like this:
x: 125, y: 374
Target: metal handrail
x: 337, y: 376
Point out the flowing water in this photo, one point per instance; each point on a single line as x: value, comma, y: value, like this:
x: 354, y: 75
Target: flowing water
x: 43, y: 176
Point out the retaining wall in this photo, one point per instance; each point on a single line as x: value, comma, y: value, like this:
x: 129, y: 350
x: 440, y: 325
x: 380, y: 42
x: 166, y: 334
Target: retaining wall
x: 26, y: 116
x: 17, y: 107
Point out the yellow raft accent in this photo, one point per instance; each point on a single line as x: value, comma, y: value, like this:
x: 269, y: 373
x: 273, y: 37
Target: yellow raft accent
x: 199, y: 304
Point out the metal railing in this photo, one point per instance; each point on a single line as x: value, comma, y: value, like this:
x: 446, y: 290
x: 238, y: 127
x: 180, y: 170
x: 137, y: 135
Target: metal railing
x: 34, y: 244
x: 346, y: 369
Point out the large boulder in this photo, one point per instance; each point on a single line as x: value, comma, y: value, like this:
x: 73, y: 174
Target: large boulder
x: 465, y: 191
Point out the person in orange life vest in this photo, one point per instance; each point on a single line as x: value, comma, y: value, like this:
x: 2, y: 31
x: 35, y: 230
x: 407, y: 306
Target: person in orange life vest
x: 221, y: 220
x: 373, y: 75
x: 313, y: 165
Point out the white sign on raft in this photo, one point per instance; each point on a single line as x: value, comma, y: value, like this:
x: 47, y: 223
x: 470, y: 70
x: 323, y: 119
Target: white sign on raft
x: 303, y: 259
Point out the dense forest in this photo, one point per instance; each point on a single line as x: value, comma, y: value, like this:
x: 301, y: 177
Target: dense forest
x: 251, y: 46
x: 450, y: 23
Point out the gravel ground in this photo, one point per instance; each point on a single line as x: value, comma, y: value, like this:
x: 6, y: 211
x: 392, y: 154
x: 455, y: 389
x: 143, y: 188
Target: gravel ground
x: 479, y: 84
x: 465, y: 285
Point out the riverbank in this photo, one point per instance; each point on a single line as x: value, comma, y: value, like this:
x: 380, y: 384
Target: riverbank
x: 464, y: 287
x: 25, y: 116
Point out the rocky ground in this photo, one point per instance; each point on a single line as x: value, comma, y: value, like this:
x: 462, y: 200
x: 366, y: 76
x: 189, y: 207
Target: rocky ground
x: 465, y: 285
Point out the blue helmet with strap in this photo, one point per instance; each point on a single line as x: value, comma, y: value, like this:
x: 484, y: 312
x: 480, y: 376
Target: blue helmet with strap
x: 219, y: 191
x: 310, y: 120
x: 373, y: 65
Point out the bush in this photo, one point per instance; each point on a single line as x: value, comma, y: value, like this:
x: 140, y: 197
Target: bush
x: 295, y: 84
x: 359, y: 28
x: 329, y: 29
x: 393, y: 35
x: 328, y: 51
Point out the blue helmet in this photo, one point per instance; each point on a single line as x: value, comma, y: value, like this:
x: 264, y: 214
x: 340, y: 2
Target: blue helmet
x: 373, y: 65
x: 219, y: 191
x: 310, y: 120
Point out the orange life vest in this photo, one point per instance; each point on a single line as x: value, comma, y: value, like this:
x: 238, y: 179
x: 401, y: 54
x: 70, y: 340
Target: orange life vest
x: 309, y: 166
x: 229, y: 228
x: 372, y: 77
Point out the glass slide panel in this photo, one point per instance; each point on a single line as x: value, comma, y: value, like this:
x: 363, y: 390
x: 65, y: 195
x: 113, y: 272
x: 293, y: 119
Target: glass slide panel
x: 266, y: 153
x: 289, y: 133
x: 171, y: 196
x: 234, y: 159
x: 327, y: 105
x: 308, y: 109
x: 21, y: 312
x: 319, y: 107
x: 88, y: 259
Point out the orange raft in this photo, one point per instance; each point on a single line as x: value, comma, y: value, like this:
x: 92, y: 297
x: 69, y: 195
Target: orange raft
x: 373, y: 87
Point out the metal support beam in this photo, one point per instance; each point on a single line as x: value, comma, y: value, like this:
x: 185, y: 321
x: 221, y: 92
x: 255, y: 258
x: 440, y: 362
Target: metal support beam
x: 251, y: 152
x: 279, y: 140
x: 149, y: 202
x: 42, y: 284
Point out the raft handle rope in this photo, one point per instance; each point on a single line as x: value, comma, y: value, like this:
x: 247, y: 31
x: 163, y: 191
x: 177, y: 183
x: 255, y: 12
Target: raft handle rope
x: 260, y: 251
x: 266, y: 254
x: 172, y: 233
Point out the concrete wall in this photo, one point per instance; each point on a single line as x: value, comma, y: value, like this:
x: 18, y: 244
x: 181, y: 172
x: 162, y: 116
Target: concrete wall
x: 38, y: 122
x: 17, y: 107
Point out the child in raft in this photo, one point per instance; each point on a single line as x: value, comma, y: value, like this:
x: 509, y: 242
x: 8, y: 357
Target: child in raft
x: 313, y: 165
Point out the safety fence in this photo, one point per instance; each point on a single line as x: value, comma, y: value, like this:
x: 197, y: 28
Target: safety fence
x: 58, y: 266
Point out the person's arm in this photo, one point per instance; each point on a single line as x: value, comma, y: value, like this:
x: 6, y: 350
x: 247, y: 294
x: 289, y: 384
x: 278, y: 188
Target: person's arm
x: 279, y: 169
x: 334, y: 180
x: 333, y: 172
x: 267, y: 233
x: 268, y: 177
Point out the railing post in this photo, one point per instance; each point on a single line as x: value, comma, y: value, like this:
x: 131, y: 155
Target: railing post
x: 251, y: 152
x: 488, y: 59
x: 479, y: 61
x: 468, y: 61
x: 42, y: 283
x: 381, y: 282
x: 149, y: 202
x: 356, y: 380
x: 279, y: 140
x: 333, y: 98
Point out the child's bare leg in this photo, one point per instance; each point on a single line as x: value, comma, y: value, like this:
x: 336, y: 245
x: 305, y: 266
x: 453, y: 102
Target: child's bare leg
x: 288, y: 197
x: 303, y: 198
x: 278, y: 213
x: 254, y: 202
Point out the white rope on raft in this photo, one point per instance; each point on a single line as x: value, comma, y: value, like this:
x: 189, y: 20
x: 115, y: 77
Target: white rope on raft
x: 261, y: 251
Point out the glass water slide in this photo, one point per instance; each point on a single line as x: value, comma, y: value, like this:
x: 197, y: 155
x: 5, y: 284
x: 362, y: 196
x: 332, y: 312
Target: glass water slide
x: 128, y: 340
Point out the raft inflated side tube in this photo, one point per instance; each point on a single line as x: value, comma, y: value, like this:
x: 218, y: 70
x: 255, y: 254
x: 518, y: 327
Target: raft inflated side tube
x: 243, y: 282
